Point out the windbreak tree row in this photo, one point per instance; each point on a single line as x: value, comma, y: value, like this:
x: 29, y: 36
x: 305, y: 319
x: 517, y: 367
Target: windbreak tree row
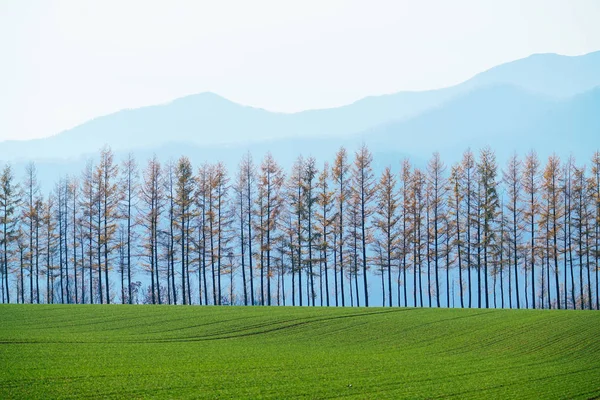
x: 473, y: 235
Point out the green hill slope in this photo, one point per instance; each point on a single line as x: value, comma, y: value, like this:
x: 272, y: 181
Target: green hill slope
x: 234, y: 352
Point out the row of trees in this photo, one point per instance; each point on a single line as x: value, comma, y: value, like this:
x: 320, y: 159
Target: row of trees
x: 472, y: 236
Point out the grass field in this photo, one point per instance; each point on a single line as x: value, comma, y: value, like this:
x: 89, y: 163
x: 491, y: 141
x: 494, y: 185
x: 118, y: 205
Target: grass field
x: 53, y: 351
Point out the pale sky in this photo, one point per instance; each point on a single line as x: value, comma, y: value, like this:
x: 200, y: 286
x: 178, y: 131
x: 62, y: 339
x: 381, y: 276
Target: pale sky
x: 65, y: 62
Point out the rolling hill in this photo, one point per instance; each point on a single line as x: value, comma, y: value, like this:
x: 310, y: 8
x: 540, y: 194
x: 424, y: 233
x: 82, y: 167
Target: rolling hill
x: 75, y: 351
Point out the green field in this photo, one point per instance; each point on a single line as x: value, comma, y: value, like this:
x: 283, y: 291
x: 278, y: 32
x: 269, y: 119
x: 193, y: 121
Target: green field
x: 51, y: 351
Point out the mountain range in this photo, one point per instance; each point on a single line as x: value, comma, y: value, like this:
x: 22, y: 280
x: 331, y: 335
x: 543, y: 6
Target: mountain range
x: 546, y: 101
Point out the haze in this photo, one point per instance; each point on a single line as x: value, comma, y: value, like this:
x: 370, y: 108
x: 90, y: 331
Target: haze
x: 67, y: 62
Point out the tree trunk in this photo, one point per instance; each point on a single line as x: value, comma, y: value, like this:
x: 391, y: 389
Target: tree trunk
x: 250, y: 266
x: 554, y: 235
x: 363, y: 223
x: 243, y: 248
x: 516, y: 255
x: 66, y: 230
x: 532, y: 226
x: 389, y: 259
x: 60, y: 248
x: 587, y: 256
x: 129, y: 241
x: 335, y: 277
x: 325, y: 254
x: 183, y: 295
x: 37, y: 258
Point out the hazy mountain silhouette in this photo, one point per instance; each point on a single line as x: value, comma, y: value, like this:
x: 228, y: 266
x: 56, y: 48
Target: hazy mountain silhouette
x: 549, y: 74
x: 511, y: 99
x: 506, y: 118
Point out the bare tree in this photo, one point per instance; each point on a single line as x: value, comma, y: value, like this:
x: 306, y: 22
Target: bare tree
x: 487, y: 169
x: 129, y: 179
x: 406, y: 225
x: 340, y: 174
x: 438, y: 192
x: 417, y: 219
x: 73, y: 195
x: 468, y: 166
x: 151, y: 195
x: 595, y: 193
x: 581, y: 214
x: 270, y: 185
x: 220, y: 222
x: 309, y: 176
x: 110, y: 196
x: 184, y: 196
x: 531, y: 208
x: 326, y: 219
x: 89, y: 216
x: 49, y: 225
x: 296, y: 203
x: 202, y: 195
x: 32, y: 192
x: 567, y: 190
x: 239, y: 189
x: 386, y: 222
x: 553, y: 214
x: 364, y: 187
x: 455, y: 203
x: 512, y: 180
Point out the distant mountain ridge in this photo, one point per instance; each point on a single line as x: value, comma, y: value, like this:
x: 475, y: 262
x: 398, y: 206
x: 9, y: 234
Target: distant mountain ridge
x: 506, y: 118
x: 207, y: 120
x: 548, y: 74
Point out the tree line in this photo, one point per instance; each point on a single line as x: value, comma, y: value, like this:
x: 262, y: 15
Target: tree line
x: 473, y: 235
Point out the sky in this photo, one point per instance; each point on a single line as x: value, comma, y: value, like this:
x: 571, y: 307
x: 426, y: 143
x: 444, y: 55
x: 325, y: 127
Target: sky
x: 66, y: 62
